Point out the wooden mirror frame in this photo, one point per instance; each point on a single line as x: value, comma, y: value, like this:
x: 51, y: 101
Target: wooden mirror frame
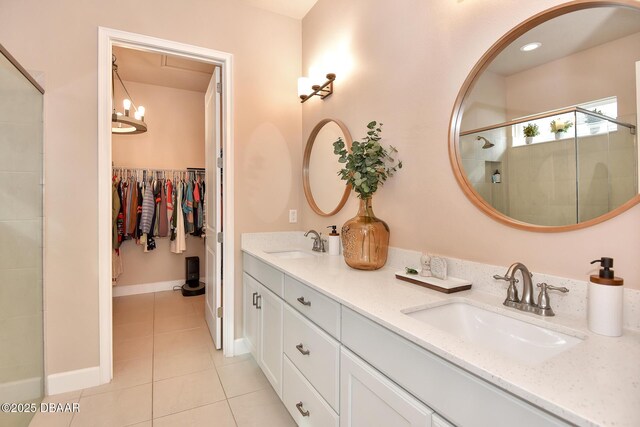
x: 306, y: 185
x: 458, y: 110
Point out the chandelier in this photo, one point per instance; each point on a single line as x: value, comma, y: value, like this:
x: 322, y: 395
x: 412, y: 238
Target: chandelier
x: 123, y: 123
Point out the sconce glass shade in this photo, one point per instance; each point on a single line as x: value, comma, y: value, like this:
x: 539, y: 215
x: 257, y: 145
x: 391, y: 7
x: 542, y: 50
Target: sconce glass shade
x: 304, y: 83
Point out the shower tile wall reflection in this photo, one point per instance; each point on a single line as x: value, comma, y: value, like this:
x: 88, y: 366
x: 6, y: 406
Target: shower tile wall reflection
x: 21, y: 302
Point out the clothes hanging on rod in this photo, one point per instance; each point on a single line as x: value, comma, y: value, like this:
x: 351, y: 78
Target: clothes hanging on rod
x: 157, y: 203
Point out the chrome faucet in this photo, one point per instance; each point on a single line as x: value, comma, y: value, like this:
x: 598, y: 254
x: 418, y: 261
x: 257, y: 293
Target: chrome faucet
x: 526, y: 302
x: 318, y: 241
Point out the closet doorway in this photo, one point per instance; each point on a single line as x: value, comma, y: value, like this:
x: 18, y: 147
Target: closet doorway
x: 217, y: 157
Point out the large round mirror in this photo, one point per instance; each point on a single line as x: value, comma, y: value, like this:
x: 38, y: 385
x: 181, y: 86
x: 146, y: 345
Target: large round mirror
x: 543, y: 133
x: 326, y: 193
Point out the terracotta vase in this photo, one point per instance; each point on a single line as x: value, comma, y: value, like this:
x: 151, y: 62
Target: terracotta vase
x: 365, y: 239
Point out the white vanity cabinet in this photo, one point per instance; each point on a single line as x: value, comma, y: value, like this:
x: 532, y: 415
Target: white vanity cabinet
x: 369, y: 399
x: 263, y: 311
x: 332, y: 366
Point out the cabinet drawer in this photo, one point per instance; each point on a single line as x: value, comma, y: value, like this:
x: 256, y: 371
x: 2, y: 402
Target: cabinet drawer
x: 264, y: 273
x: 462, y: 398
x: 322, y: 310
x: 314, y: 353
x: 303, y: 402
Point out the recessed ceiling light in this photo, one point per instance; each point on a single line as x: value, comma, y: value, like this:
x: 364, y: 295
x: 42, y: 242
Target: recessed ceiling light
x: 530, y: 46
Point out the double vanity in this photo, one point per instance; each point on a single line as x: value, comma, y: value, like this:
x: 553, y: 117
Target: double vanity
x: 346, y: 347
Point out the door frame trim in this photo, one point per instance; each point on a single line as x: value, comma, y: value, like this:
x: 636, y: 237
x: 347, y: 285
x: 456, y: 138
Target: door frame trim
x: 107, y: 38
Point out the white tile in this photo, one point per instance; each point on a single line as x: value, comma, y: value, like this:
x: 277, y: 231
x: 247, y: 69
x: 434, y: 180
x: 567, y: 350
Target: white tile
x: 56, y: 419
x: 180, y: 322
x: 115, y: 408
x: 215, y: 415
x: 220, y: 360
x: 261, y: 408
x: 186, y: 392
x: 127, y: 316
x: 186, y: 363
x: 20, y: 196
x: 126, y: 373
x: 241, y: 378
x: 176, y: 343
x: 21, y: 244
x: 133, y: 330
x: 136, y: 348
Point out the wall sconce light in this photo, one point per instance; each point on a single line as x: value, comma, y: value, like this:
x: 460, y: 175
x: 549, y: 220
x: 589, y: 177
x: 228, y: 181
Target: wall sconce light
x: 322, y: 91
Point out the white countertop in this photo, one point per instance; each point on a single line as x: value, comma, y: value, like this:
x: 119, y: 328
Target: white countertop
x: 597, y: 382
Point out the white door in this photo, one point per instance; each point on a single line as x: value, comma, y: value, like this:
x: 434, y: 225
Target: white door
x: 213, y: 181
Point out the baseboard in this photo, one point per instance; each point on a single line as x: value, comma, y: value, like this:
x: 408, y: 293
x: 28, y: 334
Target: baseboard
x: 64, y: 382
x: 145, y: 288
x: 22, y: 390
x: 240, y: 347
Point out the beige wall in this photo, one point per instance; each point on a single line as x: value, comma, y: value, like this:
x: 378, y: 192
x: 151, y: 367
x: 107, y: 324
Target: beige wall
x: 175, y: 140
x: 407, y: 65
x: 59, y: 38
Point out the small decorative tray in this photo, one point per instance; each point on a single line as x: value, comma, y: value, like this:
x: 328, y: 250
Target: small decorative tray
x: 448, y: 286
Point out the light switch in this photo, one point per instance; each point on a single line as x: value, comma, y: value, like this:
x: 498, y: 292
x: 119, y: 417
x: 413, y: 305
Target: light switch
x: 293, y: 216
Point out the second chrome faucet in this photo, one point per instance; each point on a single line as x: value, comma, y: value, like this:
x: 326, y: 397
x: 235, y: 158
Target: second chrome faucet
x: 318, y: 241
x: 526, y: 302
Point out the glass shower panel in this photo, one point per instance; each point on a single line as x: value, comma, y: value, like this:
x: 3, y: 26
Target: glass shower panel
x: 607, y: 166
x: 21, y: 216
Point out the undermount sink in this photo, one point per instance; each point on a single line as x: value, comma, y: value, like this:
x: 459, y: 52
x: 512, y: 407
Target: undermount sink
x: 294, y: 254
x: 514, y: 338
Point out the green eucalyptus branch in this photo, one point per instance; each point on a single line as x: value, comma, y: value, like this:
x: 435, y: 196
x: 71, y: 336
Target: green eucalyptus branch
x: 369, y: 164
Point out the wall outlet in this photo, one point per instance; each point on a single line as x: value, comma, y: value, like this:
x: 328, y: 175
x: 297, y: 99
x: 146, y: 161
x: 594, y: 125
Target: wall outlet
x: 293, y: 216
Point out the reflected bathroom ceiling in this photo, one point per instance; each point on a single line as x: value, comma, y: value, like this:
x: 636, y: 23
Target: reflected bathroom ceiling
x: 577, y: 31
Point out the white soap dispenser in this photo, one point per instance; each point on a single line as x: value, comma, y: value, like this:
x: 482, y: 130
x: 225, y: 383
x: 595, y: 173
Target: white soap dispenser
x: 334, y: 241
x: 606, y: 293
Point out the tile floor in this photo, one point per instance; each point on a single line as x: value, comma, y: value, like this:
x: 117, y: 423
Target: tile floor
x: 168, y: 373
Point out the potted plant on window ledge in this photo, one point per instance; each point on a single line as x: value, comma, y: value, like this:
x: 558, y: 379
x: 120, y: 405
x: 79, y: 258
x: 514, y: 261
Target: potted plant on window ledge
x: 560, y: 127
x: 365, y: 238
x: 530, y: 131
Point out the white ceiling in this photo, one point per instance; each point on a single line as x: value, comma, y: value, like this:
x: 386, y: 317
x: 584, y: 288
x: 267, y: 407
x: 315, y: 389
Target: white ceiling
x: 292, y: 8
x: 565, y: 35
x: 162, y: 70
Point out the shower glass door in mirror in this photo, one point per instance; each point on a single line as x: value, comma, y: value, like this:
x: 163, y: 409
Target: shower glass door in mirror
x: 546, y: 131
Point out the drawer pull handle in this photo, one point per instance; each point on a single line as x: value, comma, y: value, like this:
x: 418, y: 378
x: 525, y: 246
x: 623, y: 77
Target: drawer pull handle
x: 303, y: 302
x: 258, y: 299
x: 301, y: 349
x: 301, y: 409
x: 255, y: 294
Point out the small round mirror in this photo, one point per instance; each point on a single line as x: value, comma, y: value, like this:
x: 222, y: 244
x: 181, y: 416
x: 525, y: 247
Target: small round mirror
x: 326, y: 193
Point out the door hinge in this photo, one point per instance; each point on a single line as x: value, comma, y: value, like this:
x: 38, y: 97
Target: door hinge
x: 219, y: 162
x: 220, y: 237
x: 219, y: 87
x: 219, y: 312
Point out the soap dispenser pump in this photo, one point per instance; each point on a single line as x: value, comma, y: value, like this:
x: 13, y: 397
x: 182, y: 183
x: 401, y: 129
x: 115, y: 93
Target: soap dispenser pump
x: 605, y: 300
x: 334, y: 241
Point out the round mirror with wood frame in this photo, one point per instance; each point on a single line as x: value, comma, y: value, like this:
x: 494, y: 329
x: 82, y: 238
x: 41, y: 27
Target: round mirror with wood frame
x: 325, y: 175
x: 477, y: 137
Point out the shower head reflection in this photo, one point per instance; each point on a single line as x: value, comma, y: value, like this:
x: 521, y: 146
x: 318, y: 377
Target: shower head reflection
x: 487, y: 143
